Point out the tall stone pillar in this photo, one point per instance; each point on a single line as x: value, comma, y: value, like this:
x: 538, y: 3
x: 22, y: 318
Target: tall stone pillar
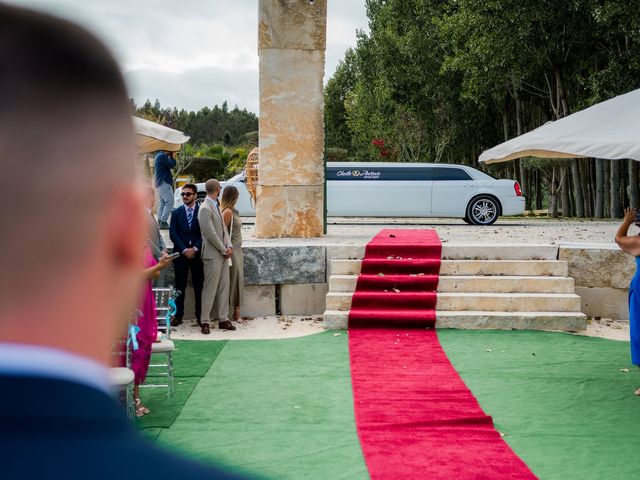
x: 292, y: 41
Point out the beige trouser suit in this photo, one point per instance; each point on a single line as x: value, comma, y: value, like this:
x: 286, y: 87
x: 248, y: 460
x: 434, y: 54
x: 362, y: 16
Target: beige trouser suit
x: 215, y: 241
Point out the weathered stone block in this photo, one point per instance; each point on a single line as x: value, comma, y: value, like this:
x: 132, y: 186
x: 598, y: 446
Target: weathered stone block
x: 291, y: 118
x: 599, y: 267
x: 284, y: 265
x: 291, y: 78
x: 292, y: 24
x: 259, y: 301
x: 303, y: 299
x: 604, y: 302
x: 289, y: 211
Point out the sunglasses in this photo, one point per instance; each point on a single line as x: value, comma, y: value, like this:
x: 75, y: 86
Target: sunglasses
x: 187, y: 194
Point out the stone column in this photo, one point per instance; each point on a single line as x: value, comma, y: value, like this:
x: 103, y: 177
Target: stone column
x: 292, y: 40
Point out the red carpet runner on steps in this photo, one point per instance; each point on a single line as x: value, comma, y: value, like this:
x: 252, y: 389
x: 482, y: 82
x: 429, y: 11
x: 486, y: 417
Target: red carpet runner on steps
x: 416, y: 418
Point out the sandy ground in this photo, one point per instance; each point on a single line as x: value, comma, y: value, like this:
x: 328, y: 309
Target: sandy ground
x: 607, y: 328
x: 254, y: 329
x: 290, y: 327
x: 507, y: 230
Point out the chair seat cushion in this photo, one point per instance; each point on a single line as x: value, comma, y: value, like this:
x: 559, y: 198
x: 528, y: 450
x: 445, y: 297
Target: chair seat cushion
x: 120, y: 376
x: 163, y: 346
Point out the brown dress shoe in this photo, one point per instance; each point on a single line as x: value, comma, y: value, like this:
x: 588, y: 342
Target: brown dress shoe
x: 205, y: 329
x: 226, y: 325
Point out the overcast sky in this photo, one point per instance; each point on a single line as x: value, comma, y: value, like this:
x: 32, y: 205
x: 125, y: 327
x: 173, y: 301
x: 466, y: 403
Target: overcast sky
x: 194, y: 53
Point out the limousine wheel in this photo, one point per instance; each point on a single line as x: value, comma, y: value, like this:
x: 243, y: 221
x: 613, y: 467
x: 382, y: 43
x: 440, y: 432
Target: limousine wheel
x: 466, y: 220
x: 483, y: 210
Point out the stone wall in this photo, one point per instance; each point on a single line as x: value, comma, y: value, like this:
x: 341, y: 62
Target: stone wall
x: 602, y: 274
x: 292, y: 279
x: 287, y: 280
x: 290, y: 193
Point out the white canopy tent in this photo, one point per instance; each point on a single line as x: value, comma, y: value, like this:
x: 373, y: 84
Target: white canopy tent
x: 151, y: 136
x: 609, y: 130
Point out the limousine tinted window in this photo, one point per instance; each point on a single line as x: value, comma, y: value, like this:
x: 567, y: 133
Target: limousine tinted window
x: 380, y: 173
x: 451, y: 174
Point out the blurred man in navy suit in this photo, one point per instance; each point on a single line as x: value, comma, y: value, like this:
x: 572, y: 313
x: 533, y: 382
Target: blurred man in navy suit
x: 187, y: 240
x: 71, y: 254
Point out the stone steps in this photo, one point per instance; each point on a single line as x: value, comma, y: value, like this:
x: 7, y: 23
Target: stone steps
x: 566, y: 321
x: 491, y: 302
x: 497, y: 287
x: 475, y: 267
x: 477, y: 284
x: 459, y: 251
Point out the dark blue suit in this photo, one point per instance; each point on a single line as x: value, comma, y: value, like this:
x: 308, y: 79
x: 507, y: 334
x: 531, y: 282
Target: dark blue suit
x: 59, y: 429
x: 184, y: 237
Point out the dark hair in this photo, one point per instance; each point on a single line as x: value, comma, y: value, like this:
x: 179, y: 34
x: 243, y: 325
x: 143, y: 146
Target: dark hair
x: 48, y: 62
x: 62, y: 96
x: 191, y: 186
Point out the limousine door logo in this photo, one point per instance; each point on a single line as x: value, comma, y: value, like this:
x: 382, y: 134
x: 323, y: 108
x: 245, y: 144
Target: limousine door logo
x: 365, y: 174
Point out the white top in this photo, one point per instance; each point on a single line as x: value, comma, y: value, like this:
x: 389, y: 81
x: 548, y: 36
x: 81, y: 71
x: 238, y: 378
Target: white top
x: 21, y: 360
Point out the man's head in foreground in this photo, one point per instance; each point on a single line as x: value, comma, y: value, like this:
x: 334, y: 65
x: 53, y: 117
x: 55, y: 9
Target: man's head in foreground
x: 71, y: 249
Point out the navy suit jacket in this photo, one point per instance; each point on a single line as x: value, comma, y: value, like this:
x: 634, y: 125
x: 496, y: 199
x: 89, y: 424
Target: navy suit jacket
x: 181, y: 235
x: 59, y: 429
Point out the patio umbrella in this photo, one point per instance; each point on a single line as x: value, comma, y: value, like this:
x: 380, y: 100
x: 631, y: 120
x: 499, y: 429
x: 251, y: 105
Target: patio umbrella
x: 151, y: 136
x: 608, y: 130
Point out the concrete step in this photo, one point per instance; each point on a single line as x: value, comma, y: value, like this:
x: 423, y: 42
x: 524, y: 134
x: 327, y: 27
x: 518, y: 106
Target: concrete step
x: 567, y: 321
x: 474, y: 267
x: 504, y: 267
x: 477, y: 284
x: 458, y: 251
x: 491, y: 302
x: 499, y: 252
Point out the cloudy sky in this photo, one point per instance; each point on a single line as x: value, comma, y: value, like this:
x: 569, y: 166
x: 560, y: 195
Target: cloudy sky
x: 193, y: 53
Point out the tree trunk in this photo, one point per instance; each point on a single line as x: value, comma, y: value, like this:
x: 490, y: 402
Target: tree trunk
x: 553, y: 191
x: 606, y: 164
x: 614, y: 190
x: 577, y: 189
x: 599, y: 207
x: 505, y: 122
x: 538, y: 191
x: 586, y: 184
x: 624, y: 183
x: 553, y: 205
x: 564, y: 193
x: 633, y: 183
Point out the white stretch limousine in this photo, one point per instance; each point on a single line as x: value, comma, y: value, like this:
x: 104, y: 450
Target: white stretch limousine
x: 406, y: 190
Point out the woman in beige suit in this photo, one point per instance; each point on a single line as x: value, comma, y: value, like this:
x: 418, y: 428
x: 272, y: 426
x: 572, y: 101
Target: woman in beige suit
x: 233, y: 224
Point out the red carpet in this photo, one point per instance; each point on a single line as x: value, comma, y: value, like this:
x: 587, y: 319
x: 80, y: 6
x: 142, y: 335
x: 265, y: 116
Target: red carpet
x: 416, y: 418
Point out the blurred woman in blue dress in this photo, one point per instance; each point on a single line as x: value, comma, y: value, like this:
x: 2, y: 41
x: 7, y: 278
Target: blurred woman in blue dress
x: 631, y: 245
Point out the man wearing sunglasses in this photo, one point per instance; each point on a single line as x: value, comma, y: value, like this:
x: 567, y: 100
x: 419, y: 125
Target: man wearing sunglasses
x: 187, y: 240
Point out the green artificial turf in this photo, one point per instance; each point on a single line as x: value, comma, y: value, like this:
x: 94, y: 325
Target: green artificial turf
x: 191, y: 361
x: 281, y: 408
x: 562, y: 401
x: 284, y: 408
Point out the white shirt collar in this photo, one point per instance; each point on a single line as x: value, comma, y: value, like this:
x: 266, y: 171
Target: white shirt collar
x: 36, y: 361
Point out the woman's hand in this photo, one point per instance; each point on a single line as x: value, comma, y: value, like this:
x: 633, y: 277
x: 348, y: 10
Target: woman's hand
x: 164, y: 261
x: 629, y: 215
x: 630, y: 245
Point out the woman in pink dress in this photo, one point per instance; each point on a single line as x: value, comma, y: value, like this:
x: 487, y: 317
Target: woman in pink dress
x: 148, y: 325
